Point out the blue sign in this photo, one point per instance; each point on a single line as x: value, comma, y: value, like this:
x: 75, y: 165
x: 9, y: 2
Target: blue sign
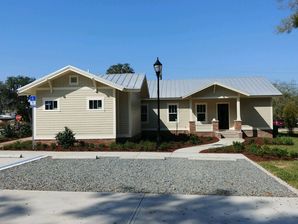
x: 32, y: 98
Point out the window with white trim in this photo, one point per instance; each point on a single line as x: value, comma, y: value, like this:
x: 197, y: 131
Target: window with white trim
x: 95, y: 104
x: 73, y: 80
x: 173, y: 112
x: 201, y: 112
x: 144, y: 112
x: 51, y: 104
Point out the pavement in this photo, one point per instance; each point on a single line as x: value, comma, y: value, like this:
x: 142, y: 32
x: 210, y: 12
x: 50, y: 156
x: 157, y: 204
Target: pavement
x: 43, y: 207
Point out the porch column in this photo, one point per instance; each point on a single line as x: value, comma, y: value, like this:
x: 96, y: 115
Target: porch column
x: 238, y: 122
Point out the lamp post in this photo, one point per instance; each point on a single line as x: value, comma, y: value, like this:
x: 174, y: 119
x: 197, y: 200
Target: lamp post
x: 158, y: 69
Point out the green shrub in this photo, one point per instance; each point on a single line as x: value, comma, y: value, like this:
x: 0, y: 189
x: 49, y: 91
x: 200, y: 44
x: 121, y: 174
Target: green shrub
x: 251, y: 141
x: 115, y: 146
x: 267, y: 141
x: 53, y: 146
x: 283, y: 141
x: 45, y: 146
x: 164, y: 146
x: 147, y: 146
x: 92, y: 145
x: 82, y: 144
x: 9, y: 131
x: 293, y: 154
x: 101, y: 146
x: 238, y: 147
x: 66, y: 138
x: 256, y: 150
x: 24, y: 130
x: 129, y: 145
x: 195, y: 140
x: 279, y: 152
x: 38, y: 146
x: 209, y: 139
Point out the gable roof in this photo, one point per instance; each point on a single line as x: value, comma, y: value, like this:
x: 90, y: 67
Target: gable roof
x: 248, y: 86
x: 122, y: 82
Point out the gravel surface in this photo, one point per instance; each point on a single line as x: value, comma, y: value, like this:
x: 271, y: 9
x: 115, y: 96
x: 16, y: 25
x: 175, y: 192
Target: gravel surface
x: 149, y: 176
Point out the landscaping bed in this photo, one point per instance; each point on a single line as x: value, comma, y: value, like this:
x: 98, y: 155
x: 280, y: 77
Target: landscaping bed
x: 262, y: 149
x: 169, y: 144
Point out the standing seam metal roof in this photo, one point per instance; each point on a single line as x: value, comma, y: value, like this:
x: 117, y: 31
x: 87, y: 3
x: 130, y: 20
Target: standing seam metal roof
x: 251, y: 86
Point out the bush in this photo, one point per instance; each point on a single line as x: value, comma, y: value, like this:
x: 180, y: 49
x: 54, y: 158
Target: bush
x: 24, y: 130
x: 9, y: 131
x: 279, y: 152
x: 293, y: 154
x: 147, y: 146
x: 115, y: 146
x: 82, y: 144
x: 290, y: 114
x: 129, y: 145
x: 164, y: 146
x: 283, y: 141
x: 66, y: 138
x: 238, y: 147
x: 209, y: 139
x: 91, y: 145
x: 267, y: 141
x: 257, y: 150
x: 53, y: 146
x: 101, y: 146
x: 195, y: 140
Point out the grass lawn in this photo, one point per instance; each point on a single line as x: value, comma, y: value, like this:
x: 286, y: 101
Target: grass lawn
x: 285, y: 170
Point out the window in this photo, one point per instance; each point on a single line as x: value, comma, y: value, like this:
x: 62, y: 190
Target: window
x: 73, y: 80
x: 144, y: 113
x: 201, y: 112
x: 95, y: 104
x: 50, y: 104
x: 173, y: 112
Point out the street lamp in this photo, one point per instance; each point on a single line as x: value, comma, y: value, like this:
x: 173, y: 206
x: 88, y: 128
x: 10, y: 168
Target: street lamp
x: 158, y: 70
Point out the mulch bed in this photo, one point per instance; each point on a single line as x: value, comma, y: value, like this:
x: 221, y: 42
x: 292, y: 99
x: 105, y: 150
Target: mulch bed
x: 173, y: 146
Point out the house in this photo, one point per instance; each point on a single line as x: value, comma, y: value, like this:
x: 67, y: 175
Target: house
x: 124, y: 105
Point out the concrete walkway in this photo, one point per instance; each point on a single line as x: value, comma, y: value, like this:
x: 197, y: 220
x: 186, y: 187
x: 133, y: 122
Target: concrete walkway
x: 221, y: 143
x: 80, y: 207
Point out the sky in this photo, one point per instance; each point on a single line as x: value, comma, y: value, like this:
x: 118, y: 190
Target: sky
x: 193, y: 39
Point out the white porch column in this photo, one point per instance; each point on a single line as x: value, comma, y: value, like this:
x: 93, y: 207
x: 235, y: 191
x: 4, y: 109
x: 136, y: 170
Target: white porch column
x: 238, y: 108
x: 190, y: 110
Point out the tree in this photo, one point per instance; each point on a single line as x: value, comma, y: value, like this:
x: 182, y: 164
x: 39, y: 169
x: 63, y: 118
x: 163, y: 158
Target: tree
x: 289, y: 94
x: 120, y: 69
x: 290, y: 114
x: 9, y: 99
x: 291, y: 22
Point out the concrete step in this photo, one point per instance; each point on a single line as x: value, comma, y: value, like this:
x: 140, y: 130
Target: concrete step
x: 231, y: 134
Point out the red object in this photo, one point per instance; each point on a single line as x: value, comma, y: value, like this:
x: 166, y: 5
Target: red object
x: 18, y: 117
x: 279, y: 123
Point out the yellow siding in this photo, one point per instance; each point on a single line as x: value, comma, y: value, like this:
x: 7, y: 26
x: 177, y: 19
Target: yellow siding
x: 135, y: 102
x: 256, y: 112
x: 74, y: 114
x: 183, y: 115
x: 122, y: 114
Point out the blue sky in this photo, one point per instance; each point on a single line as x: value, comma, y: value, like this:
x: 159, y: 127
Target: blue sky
x: 192, y: 38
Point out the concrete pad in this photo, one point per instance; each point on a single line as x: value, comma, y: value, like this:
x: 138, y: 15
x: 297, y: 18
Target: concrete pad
x: 216, y: 209
x: 7, y: 161
x: 29, y: 207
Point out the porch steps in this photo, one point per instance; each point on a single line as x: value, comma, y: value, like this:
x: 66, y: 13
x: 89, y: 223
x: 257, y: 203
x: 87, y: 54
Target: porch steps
x: 230, y: 134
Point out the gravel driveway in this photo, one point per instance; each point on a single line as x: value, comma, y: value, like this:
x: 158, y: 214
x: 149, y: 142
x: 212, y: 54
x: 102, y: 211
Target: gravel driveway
x: 150, y: 176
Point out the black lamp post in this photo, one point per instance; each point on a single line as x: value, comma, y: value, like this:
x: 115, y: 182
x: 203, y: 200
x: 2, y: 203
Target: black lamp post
x: 158, y: 69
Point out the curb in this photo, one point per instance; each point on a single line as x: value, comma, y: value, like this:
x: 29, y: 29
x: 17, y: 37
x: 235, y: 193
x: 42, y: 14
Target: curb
x: 21, y: 162
x: 282, y: 182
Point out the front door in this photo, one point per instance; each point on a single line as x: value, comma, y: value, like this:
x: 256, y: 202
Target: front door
x: 223, y: 115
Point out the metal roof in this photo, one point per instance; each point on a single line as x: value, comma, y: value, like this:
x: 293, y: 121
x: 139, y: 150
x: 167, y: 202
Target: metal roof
x: 249, y: 86
x: 127, y: 81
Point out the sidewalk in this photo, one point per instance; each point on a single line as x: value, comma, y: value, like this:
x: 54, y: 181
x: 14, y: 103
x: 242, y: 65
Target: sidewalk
x: 90, y: 207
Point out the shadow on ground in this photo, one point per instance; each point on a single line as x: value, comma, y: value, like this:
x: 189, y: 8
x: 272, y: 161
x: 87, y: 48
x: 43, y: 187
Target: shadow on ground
x: 185, y: 209
x: 11, y: 207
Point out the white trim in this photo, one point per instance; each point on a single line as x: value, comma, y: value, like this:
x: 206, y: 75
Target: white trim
x: 114, y: 114
x: 95, y: 98
x: 50, y: 99
x: 206, y: 113
x: 63, y: 71
x: 218, y: 84
x: 212, y: 97
x: 271, y: 112
x: 168, y: 117
x: 147, y: 108
x: 229, y: 111
x: 73, y: 76
x: 52, y: 137
x: 190, y: 110
x: 72, y: 88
